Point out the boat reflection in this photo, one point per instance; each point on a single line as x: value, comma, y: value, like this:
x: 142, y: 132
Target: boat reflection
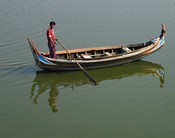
x: 50, y: 82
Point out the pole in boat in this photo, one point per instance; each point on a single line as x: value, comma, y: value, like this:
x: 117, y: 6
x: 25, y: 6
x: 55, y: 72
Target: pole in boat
x: 93, y: 82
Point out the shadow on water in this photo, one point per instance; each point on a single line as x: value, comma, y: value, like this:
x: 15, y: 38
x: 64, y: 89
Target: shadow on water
x: 52, y: 82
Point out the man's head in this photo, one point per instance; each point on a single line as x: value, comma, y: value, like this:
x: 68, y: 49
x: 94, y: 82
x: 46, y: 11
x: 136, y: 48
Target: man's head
x: 52, y: 24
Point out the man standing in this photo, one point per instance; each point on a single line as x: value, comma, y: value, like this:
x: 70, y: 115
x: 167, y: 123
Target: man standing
x: 51, y: 40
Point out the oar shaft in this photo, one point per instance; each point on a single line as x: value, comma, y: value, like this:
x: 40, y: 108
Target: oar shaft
x: 84, y: 71
x: 70, y: 54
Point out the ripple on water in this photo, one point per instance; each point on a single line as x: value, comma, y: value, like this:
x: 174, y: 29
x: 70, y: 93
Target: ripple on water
x: 12, y: 72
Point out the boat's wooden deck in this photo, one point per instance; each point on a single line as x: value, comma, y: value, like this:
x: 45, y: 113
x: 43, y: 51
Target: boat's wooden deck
x: 96, y: 52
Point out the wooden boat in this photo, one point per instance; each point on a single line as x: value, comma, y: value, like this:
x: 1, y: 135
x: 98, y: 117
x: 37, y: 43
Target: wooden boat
x: 97, y: 57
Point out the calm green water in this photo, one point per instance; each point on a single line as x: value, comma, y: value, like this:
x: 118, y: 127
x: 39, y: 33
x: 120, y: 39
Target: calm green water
x: 131, y: 101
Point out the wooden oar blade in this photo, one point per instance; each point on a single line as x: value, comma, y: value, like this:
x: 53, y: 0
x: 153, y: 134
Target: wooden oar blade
x: 93, y: 82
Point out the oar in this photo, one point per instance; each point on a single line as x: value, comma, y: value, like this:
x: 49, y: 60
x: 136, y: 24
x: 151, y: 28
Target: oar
x: 93, y: 82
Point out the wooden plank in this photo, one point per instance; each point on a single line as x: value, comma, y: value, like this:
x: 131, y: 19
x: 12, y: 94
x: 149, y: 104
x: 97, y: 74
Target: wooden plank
x: 89, y: 49
x: 83, y: 50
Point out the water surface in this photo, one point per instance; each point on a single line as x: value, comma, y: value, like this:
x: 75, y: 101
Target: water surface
x: 133, y: 100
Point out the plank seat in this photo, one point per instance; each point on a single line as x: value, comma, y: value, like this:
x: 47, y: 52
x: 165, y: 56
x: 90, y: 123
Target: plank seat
x: 126, y: 49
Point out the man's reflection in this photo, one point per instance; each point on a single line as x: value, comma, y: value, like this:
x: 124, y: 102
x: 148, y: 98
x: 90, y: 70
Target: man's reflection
x: 53, y: 93
x: 43, y: 86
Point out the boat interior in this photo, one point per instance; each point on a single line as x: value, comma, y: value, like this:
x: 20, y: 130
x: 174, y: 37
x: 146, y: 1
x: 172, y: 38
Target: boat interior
x: 97, y: 53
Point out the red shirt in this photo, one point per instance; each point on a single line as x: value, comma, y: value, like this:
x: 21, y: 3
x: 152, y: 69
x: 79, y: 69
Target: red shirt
x: 50, y: 34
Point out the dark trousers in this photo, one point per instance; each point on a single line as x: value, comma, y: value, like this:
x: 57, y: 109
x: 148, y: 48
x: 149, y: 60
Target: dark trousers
x: 52, y: 50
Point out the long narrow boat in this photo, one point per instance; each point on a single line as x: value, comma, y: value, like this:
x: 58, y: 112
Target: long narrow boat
x: 97, y: 57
